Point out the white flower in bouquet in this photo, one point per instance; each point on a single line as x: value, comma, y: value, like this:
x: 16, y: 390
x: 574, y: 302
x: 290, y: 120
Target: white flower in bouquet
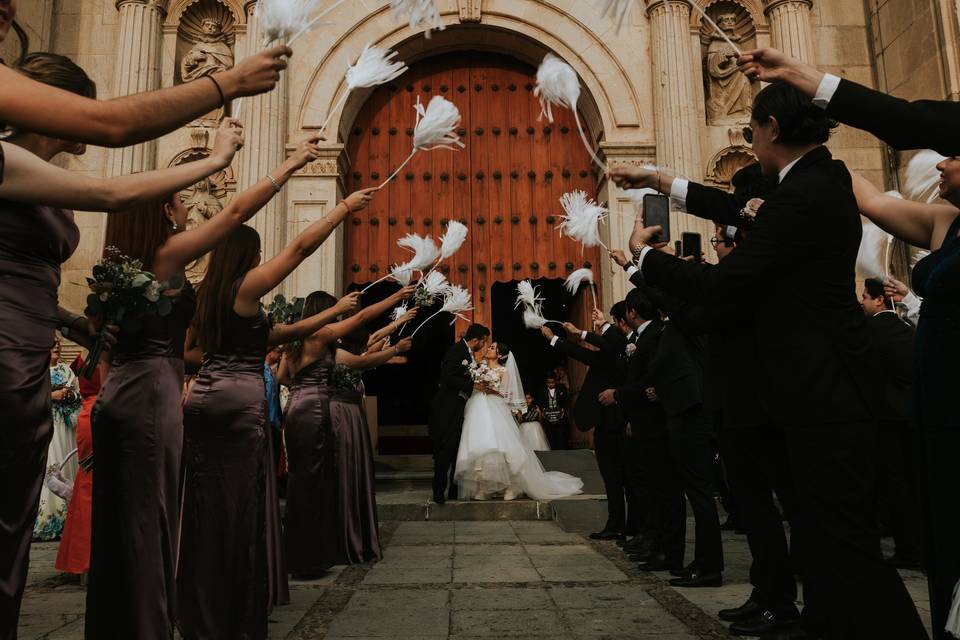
x: 152, y: 292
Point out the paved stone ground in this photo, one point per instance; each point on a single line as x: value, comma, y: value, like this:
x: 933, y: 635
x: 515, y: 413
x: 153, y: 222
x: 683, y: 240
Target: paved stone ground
x: 465, y: 581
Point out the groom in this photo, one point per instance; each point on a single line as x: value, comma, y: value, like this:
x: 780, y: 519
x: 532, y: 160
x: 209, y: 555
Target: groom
x: 446, y: 412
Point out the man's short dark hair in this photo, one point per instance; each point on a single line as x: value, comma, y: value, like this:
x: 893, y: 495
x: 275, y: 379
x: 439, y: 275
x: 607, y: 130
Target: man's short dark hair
x: 476, y: 332
x: 639, y: 303
x: 619, y: 311
x: 801, y: 122
x: 874, y: 289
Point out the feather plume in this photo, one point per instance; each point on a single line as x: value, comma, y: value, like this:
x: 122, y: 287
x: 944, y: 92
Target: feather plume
x: 435, y: 283
x: 425, y: 251
x: 577, y: 278
x: 398, y: 312
x: 402, y: 273
x: 557, y: 84
x: 456, y: 301
x: 280, y: 19
x: 922, y: 180
x: 527, y: 295
x: 436, y: 125
x: 873, y: 258
x: 418, y: 12
x: 618, y: 9
x: 581, y: 219
x: 453, y: 239
x: 374, y: 67
x: 532, y: 318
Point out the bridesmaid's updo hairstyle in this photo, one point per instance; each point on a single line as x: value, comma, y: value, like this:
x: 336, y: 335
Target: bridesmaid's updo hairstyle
x: 316, y: 302
x: 503, y: 352
x: 229, y: 262
x: 57, y: 71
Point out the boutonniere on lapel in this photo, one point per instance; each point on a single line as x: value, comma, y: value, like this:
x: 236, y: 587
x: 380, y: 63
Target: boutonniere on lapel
x: 630, y: 349
x: 465, y: 363
x: 749, y: 211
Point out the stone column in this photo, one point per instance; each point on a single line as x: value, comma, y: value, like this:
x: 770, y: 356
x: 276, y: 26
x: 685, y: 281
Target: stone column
x: 137, y: 69
x: 264, y: 120
x: 791, y: 29
x: 679, y: 124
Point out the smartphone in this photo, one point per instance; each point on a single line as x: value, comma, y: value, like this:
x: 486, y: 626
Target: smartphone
x: 691, y: 246
x: 678, y: 248
x: 656, y: 211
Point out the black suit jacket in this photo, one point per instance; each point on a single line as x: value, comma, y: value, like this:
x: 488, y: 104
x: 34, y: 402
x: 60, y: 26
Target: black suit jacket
x: 603, y: 374
x: 647, y: 419
x: 812, y: 340
x: 923, y: 124
x: 892, y: 357
x: 454, y: 389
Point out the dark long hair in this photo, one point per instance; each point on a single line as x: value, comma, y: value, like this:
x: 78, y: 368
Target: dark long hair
x: 57, y: 71
x: 229, y: 262
x: 140, y: 231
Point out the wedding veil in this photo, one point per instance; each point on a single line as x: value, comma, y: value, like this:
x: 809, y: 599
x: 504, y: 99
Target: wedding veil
x: 512, y: 386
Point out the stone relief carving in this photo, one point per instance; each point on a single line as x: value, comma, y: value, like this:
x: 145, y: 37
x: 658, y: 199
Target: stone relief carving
x: 470, y: 10
x: 205, y: 38
x: 730, y: 94
x: 726, y: 163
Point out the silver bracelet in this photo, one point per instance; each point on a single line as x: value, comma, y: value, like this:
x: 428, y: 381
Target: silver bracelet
x: 273, y: 181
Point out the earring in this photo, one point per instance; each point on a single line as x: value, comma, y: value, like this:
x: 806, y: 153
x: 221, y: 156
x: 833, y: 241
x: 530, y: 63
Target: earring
x: 174, y: 225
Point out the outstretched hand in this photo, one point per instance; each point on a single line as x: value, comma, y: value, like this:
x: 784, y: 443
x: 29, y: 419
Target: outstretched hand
x: 770, y: 65
x: 358, y: 200
x: 619, y: 257
x: 546, y: 332
x: 629, y: 177
x: 255, y: 74
x: 227, y: 141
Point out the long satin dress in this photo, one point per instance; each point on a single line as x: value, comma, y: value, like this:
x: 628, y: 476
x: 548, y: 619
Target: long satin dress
x: 358, y: 535
x: 311, y: 526
x: 34, y: 241
x: 227, y: 568
x: 138, y: 437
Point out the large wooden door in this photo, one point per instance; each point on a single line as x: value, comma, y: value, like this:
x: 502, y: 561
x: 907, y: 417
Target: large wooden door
x: 505, y: 186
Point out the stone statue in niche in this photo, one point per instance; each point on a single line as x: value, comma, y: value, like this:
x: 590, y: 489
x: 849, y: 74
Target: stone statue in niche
x: 202, y: 204
x: 730, y: 93
x: 210, y: 54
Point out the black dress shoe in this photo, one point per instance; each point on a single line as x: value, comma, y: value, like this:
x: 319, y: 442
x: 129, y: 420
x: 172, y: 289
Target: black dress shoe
x: 659, y: 562
x: 638, y: 544
x: 684, y: 572
x: 696, y: 580
x: 607, y: 534
x: 747, y: 610
x: 439, y: 499
x: 641, y: 557
x: 765, y: 622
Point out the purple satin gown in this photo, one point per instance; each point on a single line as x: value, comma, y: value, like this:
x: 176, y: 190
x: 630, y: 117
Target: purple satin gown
x: 229, y: 571
x: 34, y: 241
x: 137, y: 425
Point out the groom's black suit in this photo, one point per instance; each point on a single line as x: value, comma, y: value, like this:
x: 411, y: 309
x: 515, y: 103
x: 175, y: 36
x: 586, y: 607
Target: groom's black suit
x: 446, y: 415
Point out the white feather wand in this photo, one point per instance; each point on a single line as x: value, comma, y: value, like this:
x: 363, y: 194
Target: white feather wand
x: 425, y: 252
x: 456, y: 301
x: 398, y: 312
x: 922, y: 180
x: 532, y: 304
x: 581, y: 219
x: 436, y: 128
x: 374, y: 67
x: 558, y: 84
x: 419, y: 12
x: 576, y: 279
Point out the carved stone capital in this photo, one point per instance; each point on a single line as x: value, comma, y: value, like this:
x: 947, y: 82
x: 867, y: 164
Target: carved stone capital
x: 770, y: 5
x: 160, y: 5
x: 653, y: 4
x: 470, y: 10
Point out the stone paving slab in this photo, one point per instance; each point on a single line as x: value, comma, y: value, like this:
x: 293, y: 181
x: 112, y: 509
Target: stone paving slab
x: 503, y: 599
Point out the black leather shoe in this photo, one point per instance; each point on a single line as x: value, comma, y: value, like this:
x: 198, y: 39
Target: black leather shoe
x: 638, y: 544
x: 696, y: 579
x: 763, y: 623
x: 747, y: 610
x: 658, y: 562
x: 439, y: 499
x: 607, y: 534
x: 642, y: 556
x: 684, y: 572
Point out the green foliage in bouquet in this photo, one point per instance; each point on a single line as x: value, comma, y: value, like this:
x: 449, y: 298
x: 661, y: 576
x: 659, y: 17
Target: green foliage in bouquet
x: 123, y: 294
x: 283, y: 311
x: 345, y: 378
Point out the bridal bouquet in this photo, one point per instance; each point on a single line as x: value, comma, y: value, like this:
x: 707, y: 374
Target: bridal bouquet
x: 482, y: 374
x: 283, y: 311
x: 123, y: 293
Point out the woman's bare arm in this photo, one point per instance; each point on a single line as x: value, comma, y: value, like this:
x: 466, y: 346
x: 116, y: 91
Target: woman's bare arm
x: 284, y: 333
x: 40, y: 108
x: 337, y: 330
x: 373, y: 360
x: 916, y: 223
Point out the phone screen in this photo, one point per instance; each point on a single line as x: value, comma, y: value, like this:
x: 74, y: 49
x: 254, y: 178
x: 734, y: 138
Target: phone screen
x: 656, y: 211
x: 691, y: 245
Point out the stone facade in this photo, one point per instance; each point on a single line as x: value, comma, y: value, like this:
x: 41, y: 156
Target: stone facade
x: 645, y: 88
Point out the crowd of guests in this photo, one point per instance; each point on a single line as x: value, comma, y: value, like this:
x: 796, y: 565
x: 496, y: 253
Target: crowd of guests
x: 769, y: 349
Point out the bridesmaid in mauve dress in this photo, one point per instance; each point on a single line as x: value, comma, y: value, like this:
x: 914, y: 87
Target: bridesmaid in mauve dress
x: 227, y: 574
x: 329, y: 482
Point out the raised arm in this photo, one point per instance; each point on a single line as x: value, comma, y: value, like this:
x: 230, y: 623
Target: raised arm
x: 373, y: 360
x: 267, y: 276
x: 916, y: 223
x: 337, y: 330
x: 28, y: 179
x: 284, y: 333
x: 40, y: 108
x: 394, y: 325
x: 183, y: 248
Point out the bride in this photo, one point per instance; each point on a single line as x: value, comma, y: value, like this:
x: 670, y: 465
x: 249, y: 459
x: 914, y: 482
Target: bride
x: 493, y: 458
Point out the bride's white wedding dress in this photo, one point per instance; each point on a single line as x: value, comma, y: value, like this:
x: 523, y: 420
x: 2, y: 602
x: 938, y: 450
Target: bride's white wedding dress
x: 493, y: 458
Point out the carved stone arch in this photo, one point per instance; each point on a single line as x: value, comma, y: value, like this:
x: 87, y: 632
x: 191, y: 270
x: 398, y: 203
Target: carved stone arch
x: 177, y: 8
x: 751, y: 10
x: 723, y: 166
x: 602, y: 73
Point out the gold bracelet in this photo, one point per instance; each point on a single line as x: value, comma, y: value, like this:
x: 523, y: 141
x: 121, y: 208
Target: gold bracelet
x: 273, y: 181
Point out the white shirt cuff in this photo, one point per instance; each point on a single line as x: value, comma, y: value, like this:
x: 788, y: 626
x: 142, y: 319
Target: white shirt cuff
x: 643, y: 254
x: 583, y: 335
x: 678, y: 191
x: 632, y: 269
x: 553, y: 341
x: 603, y: 329
x: 828, y: 87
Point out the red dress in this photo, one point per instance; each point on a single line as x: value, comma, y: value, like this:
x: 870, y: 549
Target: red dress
x: 73, y: 555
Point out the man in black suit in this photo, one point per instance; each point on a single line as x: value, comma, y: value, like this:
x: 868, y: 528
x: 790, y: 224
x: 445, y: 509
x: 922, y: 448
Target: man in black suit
x: 607, y: 422
x: 446, y: 411
x: 553, y: 399
x: 891, y: 352
x: 815, y: 377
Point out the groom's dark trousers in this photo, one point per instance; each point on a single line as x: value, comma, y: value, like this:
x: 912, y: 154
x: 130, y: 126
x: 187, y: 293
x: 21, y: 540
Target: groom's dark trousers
x: 446, y: 415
